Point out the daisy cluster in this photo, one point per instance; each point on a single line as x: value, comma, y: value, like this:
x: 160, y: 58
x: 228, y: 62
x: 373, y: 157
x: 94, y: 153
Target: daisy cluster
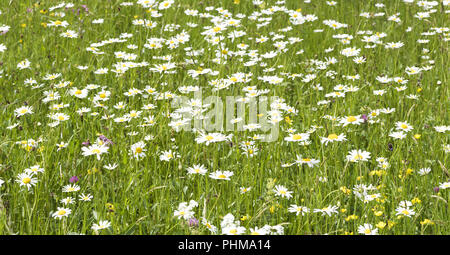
x: 103, y: 127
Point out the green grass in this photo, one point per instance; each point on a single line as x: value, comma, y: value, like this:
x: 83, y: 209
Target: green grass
x: 144, y: 194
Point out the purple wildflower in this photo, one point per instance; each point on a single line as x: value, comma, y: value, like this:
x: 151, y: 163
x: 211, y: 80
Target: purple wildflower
x: 193, y: 222
x: 105, y: 140
x: 364, y: 117
x: 73, y: 179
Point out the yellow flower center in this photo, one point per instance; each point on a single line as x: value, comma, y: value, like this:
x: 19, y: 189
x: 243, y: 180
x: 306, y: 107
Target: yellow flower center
x: 332, y: 137
x: 358, y: 156
x: 26, y: 180
x: 296, y: 137
x: 351, y: 119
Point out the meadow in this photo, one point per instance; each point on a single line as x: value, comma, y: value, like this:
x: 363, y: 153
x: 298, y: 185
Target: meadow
x: 110, y: 121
